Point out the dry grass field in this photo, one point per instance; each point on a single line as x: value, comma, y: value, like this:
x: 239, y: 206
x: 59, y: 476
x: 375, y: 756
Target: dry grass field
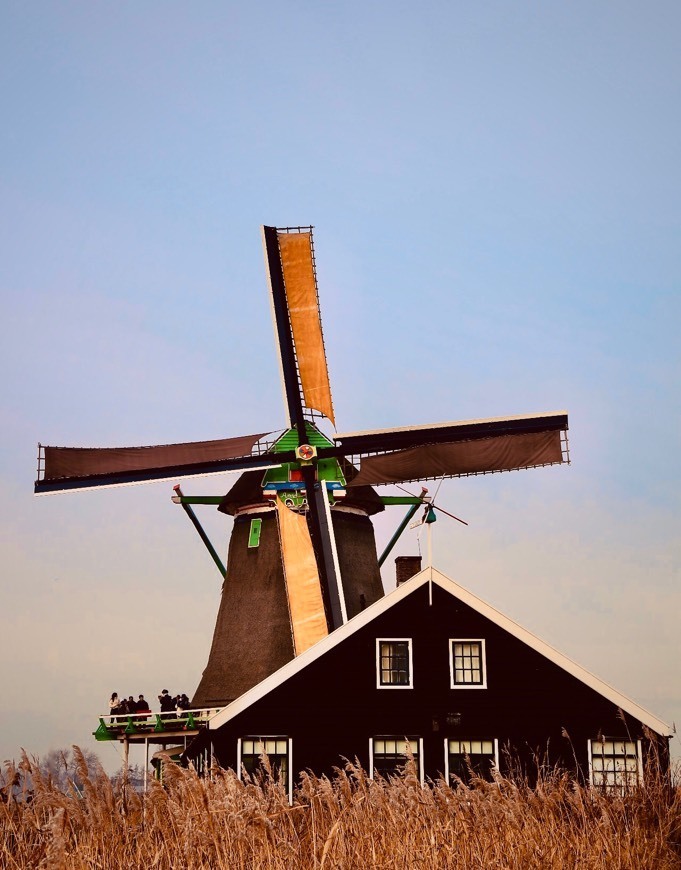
x: 348, y: 822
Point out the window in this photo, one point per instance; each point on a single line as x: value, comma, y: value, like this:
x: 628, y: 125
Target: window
x: 250, y: 752
x: 615, y: 765
x: 388, y: 755
x: 467, y: 664
x: 464, y: 758
x: 393, y: 663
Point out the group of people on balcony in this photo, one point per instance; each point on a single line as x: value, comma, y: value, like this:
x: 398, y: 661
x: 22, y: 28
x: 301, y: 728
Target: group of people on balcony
x: 129, y: 706
x: 169, y: 703
x: 126, y: 706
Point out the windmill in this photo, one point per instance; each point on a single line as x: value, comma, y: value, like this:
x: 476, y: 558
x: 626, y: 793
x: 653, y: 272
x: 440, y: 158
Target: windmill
x: 302, y: 555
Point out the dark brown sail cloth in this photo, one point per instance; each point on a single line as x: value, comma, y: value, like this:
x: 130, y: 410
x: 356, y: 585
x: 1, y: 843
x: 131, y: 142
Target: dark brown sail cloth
x: 303, y: 305
x: 67, y: 462
x: 502, y: 453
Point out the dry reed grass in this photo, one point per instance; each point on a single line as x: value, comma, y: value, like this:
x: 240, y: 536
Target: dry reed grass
x: 350, y: 821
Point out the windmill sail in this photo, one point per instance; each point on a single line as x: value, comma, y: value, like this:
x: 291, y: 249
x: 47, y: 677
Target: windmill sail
x: 83, y: 467
x: 306, y: 605
x: 300, y: 284
x: 457, y: 449
x: 460, y: 459
x: 295, y: 308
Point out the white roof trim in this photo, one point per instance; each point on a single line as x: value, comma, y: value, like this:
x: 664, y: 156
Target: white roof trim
x: 341, y: 435
x: 433, y: 575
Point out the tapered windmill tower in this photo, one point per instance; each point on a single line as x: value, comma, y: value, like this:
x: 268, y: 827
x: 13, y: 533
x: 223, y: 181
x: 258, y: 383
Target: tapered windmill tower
x: 302, y: 555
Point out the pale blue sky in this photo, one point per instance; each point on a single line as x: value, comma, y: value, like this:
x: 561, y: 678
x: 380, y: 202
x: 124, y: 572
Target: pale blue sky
x: 495, y: 189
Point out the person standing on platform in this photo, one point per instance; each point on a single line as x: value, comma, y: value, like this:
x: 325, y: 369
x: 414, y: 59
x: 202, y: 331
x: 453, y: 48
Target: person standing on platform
x: 167, y: 704
x: 142, y: 705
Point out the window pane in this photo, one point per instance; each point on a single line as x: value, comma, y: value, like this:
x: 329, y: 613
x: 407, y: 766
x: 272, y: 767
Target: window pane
x: 614, y: 764
x: 471, y: 757
x: 276, y: 750
x: 467, y: 659
x: 392, y: 753
x: 394, y: 663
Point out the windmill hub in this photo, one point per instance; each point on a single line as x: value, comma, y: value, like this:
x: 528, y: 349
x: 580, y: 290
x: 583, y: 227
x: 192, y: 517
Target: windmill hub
x: 288, y: 480
x: 306, y: 452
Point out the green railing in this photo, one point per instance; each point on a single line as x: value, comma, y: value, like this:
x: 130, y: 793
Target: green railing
x: 120, y: 726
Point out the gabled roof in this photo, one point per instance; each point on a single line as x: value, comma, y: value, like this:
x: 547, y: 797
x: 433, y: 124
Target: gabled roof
x: 432, y: 575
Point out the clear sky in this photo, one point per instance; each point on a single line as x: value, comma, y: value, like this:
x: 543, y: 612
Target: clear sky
x: 495, y: 189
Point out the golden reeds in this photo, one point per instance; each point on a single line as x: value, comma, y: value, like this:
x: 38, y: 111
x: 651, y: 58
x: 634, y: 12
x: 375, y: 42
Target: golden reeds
x: 349, y: 821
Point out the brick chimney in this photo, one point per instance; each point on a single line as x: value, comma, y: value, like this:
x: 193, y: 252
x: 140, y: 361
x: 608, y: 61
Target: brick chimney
x: 406, y: 567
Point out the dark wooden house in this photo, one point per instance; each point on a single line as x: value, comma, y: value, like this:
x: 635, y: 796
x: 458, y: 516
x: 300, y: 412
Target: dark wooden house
x: 433, y: 671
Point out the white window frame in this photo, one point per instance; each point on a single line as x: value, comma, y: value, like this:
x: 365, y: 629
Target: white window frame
x: 469, y: 739
x: 419, y: 740
x: 379, y: 684
x: 263, y: 737
x: 483, y: 663
x: 616, y: 788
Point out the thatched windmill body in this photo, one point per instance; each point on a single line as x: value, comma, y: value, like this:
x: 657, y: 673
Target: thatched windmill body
x: 302, y: 555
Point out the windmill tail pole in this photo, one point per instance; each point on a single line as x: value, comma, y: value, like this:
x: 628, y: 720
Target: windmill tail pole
x: 402, y: 526
x: 177, y: 498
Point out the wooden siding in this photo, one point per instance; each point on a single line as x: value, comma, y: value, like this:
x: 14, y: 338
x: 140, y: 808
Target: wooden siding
x: 333, y: 707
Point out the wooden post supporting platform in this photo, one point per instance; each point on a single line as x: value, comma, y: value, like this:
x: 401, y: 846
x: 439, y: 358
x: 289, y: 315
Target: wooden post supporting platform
x: 126, y: 755
x: 146, y: 763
